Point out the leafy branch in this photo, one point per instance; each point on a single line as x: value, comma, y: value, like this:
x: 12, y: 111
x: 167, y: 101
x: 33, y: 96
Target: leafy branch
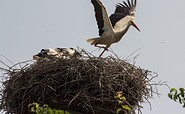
x: 45, y: 109
x: 124, y: 106
x: 177, y: 95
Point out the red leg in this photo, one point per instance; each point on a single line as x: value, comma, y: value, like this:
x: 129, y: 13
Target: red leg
x: 105, y: 49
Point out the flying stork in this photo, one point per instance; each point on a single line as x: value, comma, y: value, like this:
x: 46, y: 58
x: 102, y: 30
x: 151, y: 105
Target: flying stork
x: 111, y: 29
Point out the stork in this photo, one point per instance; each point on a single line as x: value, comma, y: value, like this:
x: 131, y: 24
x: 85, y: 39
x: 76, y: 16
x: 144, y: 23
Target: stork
x: 111, y: 29
x: 56, y: 53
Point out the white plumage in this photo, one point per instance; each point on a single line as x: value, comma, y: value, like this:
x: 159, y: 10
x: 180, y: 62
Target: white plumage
x: 111, y: 29
x: 56, y: 53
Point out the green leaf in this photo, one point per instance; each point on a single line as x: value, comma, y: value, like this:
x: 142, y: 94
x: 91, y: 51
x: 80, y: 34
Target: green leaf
x: 180, y: 100
x: 123, y: 98
x: 173, y: 92
x: 120, y: 102
x: 173, y: 89
x: 116, y: 97
x: 61, y: 112
x: 182, y: 91
x: 32, y: 109
x: 170, y: 96
x: 50, y: 111
x: 175, y: 97
x: 118, y: 110
x: 126, y: 107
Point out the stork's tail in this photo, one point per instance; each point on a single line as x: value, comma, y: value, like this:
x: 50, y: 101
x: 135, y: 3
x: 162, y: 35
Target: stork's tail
x: 93, y: 41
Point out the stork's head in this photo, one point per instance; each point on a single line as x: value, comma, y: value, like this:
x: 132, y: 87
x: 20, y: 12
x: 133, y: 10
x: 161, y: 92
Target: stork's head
x: 131, y: 21
x: 133, y: 24
x: 126, y: 12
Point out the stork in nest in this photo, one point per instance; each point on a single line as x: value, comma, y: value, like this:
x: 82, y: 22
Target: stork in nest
x: 56, y: 53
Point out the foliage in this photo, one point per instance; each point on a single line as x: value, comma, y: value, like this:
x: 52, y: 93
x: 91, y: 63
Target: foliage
x: 45, y: 109
x: 122, y: 102
x: 177, y: 95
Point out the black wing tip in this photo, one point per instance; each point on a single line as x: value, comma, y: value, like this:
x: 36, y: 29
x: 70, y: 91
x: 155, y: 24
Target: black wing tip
x: 128, y: 4
x: 96, y: 2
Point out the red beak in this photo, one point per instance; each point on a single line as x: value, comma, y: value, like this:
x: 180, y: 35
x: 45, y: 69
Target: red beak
x: 135, y: 26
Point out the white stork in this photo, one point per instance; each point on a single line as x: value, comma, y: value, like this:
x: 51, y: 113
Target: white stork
x: 111, y: 29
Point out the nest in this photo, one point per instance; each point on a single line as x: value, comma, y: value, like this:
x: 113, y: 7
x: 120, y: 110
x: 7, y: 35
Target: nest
x: 87, y: 85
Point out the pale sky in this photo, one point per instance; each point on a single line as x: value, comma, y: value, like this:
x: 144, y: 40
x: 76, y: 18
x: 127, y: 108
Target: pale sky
x: 27, y: 26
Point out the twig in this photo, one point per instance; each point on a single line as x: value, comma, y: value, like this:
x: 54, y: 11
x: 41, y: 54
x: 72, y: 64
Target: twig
x: 74, y: 98
x: 133, y: 53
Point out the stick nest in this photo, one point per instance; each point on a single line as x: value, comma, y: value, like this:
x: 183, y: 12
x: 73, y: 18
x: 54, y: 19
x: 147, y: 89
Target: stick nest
x: 87, y: 84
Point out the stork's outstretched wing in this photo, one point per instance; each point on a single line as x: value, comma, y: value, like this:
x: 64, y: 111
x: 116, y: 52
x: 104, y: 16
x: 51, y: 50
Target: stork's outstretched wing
x: 102, y: 18
x: 123, y: 10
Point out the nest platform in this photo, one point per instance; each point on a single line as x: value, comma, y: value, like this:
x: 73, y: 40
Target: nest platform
x: 87, y: 85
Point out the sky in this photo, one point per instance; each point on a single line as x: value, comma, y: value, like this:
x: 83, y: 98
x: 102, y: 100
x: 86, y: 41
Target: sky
x: 27, y: 26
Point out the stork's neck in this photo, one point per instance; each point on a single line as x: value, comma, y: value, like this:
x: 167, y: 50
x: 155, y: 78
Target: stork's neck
x: 125, y: 30
x: 120, y: 34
